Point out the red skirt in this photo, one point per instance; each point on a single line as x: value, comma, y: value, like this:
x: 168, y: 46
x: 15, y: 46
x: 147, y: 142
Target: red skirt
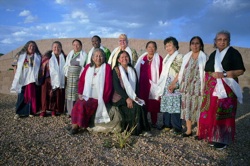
x: 83, y: 111
x: 217, y: 117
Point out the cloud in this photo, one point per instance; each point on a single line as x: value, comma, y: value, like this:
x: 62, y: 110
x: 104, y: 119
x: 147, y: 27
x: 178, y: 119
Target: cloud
x: 28, y: 16
x: 24, y: 13
x: 59, y: 1
x: 76, y: 16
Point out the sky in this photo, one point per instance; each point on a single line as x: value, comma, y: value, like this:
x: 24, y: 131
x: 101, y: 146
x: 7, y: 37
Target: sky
x: 24, y: 20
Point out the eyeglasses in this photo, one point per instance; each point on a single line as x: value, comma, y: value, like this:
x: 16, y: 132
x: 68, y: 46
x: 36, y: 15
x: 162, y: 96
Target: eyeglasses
x: 122, y: 41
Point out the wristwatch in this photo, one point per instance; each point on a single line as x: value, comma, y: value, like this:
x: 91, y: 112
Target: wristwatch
x: 224, y: 73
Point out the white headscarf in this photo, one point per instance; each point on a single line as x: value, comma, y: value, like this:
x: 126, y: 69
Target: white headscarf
x: 56, y: 71
x: 101, y: 112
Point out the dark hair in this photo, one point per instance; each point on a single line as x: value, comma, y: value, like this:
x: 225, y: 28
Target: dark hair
x: 49, y: 53
x: 200, y: 40
x: 152, y: 42
x: 60, y: 44
x: 173, y: 40
x: 118, y: 56
x: 95, y: 36
x: 97, y: 50
x: 224, y: 32
x: 25, y: 48
x: 77, y: 41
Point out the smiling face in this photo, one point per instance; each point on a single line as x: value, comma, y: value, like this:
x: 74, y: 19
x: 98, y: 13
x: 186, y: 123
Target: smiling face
x: 123, y: 41
x: 56, y: 48
x: 123, y: 59
x: 151, y: 49
x: 77, y: 46
x: 96, y: 42
x: 98, y: 58
x: 170, y: 48
x: 195, y: 45
x: 221, y: 41
x: 31, y: 48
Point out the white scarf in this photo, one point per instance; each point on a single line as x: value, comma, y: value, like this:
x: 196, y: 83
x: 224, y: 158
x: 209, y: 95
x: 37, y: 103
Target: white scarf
x: 154, y: 72
x: 167, y: 61
x: 202, y: 59
x: 115, y: 52
x: 91, y: 52
x: 56, y: 71
x: 101, y: 112
x: 16, y: 86
x: 130, y: 83
x: 82, y: 59
x: 219, y: 90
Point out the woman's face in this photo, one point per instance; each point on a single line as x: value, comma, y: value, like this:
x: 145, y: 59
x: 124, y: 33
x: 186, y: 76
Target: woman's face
x: 151, y: 49
x: 98, y: 59
x: 221, y: 41
x: 56, y: 48
x: 123, y: 43
x: 195, y: 45
x: 123, y: 59
x: 31, y: 48
x: 170, y: 48
x: 77, y: 46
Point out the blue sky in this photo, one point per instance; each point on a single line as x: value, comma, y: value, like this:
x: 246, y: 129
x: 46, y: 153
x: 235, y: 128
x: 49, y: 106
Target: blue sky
x: 144, y: 19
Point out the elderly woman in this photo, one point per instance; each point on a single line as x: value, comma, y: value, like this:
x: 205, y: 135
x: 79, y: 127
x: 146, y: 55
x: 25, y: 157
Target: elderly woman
x: 94, y: 91
x: 125, y: 83
x: 192, y: 83
x: 148, y: 68
x: 75, y: 62
x: 218, y: 109
x: 169, y: 87
x: 26, y: 68
x: 123, y: 46
x: 52, y: 74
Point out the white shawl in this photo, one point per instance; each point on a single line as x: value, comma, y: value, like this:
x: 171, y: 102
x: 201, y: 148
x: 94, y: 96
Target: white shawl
x: 130, y: 83
x: 17, y: 85
x: 219, y: 90
x: 101, y: 112
x: 113, y: 56
x: 167, y: 61
x: 154, y: 72
x: 202, y: 59
x: 56, y: 71
x: 82, y: 59
x: 91, y: 52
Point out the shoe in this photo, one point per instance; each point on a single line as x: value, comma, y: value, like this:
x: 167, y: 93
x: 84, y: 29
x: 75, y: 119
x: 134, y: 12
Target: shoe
x: 197, y: 138
x: 73, y: 131
x: 53, y: 113
x: 31, y: 116
x: 220, y: 146
x: 165, y: 128
x: 211, y: 143
x: 16, y: 116
x: 186, y: 135
x: 146, y: 134
x: 68, y: 128
x: 177, y: 132
x: 68, y: 116
x: 42, y: 114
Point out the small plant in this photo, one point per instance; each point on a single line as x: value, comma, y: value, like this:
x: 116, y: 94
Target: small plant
x: 122, y: 139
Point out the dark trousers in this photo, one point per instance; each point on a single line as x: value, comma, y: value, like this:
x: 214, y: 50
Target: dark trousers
x: 172, y: 121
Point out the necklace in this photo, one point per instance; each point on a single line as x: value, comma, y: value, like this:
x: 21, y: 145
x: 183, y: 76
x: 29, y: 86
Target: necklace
x: 96, y: 71
x: 149, y: 59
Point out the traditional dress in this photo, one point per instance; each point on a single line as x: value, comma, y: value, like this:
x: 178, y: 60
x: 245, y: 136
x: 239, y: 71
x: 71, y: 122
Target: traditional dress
x: 126, y: 86
x: 170, y: 102
x: 106, y: 51
x: 132, y: 53
x: 192, y: 85
x: 74, y: 64
x: 52, y: 74
x: 148, y: 72
x: 95, y: 85
x: 218, y: 110
x: 24, y: 83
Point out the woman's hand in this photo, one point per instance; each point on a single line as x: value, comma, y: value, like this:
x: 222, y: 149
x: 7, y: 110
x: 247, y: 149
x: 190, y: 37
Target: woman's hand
x: 217, y: 75
x: 80, y: 97
x: 129, y: 102
x: 171, y: 87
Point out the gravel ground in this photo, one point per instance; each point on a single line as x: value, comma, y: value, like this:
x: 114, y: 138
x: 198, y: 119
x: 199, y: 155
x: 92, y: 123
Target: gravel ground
x: 44, y: 141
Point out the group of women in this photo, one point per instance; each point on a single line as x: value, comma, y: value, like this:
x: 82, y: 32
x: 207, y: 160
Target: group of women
x: 194, y: 87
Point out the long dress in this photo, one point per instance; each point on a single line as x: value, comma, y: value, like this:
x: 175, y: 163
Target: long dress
x: 190, y: 90
x: 131, y: 117
x: 152, y: 106
x: 217, y: 117
x: 56, y: 101
x: 83, y: 111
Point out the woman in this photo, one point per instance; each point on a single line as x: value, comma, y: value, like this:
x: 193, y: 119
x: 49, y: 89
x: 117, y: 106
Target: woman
x: 192, y: 83
x: 218, y: 109
x: 169, y: 87
x: 26, y: 68
x: 125, y: 83
x: 74, y: 64
x: 52, y: 74
x: 123, y: 46
x: 94, y: 91
x: 148, y: 68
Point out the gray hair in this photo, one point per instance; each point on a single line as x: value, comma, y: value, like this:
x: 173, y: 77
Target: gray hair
x: 97, y: 50
x: 224, y: 32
